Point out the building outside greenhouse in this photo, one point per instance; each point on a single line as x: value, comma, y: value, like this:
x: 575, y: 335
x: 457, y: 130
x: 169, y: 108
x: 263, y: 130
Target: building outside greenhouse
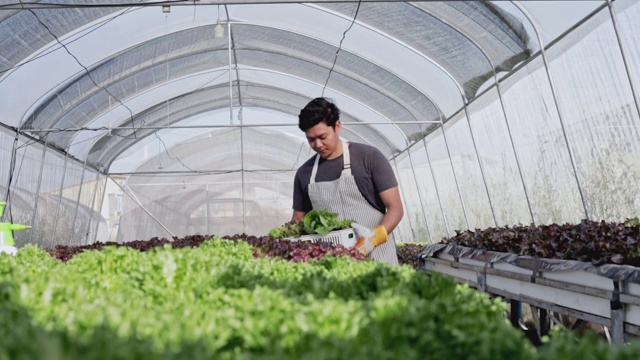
x: 134, y: 120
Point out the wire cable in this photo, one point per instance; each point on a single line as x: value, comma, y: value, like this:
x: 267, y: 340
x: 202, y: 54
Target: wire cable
x: 169, y: 155
x: 344, y: 35
x: 98, y: 26
x: 85, y: 68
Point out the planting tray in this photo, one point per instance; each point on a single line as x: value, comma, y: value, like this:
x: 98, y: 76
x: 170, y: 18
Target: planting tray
x: 345, y: 237
x: 608, y: 295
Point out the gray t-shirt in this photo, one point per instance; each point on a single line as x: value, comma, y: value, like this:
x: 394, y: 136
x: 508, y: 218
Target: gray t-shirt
x: 372, y: 172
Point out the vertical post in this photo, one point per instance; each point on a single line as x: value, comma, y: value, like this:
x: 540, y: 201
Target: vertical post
x: 453, y: 169
x: 12, y: 165
x: 37, y: 192
x: 242, y: 188
x: 104, y: 190
x: 484, y: 179
x: 617, y: 315
x: 424, y: 212
x: 544, y: 322
x: 514, y: 316
x: 230, y: 79
x: 543, y: 53
x: 513, y: 147
x: 435, y: 183
x: 75, y: 215
x: 208, y: 209
x: 55, y: 222
x: 623, y: 52
x: 481, y: 277
x: 93, y: 208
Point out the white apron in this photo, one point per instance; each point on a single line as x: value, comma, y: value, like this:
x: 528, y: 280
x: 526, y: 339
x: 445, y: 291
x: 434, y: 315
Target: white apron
x: 343, y: 197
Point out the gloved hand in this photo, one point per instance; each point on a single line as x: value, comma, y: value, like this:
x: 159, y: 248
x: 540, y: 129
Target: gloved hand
x: 369, y: 238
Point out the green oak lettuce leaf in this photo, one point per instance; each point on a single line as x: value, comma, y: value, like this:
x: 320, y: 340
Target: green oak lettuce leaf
x: 322, y: 222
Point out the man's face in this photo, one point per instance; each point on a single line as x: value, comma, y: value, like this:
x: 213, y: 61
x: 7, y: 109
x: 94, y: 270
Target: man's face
x: 325, y: 140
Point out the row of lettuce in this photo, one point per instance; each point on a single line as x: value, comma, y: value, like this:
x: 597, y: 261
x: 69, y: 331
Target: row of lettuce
x: 219, y: 301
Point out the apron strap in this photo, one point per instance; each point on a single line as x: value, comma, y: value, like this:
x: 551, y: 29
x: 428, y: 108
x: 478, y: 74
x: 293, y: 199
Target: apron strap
x: 314, y: 171
x: 346, y: 167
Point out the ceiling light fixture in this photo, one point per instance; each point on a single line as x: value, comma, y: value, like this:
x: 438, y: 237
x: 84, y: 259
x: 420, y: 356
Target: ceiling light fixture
x: 219, y: 30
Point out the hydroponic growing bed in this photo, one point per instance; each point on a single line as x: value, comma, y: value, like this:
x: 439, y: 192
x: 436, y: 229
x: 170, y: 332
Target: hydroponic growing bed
x: 597, y: 291
x: 224, y: 299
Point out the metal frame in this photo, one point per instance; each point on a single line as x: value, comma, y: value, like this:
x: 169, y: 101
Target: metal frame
x: 623, y: 53
x: 545, y: 59
x: 513, y: 284
x: 37, y: 192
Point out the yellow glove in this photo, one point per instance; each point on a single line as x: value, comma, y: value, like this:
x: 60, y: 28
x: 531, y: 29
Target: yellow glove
x: 369, y: 238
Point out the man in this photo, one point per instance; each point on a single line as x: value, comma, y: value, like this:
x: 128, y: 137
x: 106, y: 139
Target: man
x: 351, y: 179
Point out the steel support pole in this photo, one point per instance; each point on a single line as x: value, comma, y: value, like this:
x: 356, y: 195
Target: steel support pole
x: 617, y: 315
x: 75, y: 215
x: 623, y: 52
x: 435, y: 183
x: 466, y: 112
x: 12, y: 165
x: 424, y: 212
x: 230, y: 78
x: 242, y: 187
x: 455, y: 177
x: 547, y: 69
x: 513, y: 147
x: 37, y: 192
x: 208, y: 209
x: 93, y: 209
x: 55, y: 222
x: 104, y: 193
x: 133, y: 197
x: 484, y: 179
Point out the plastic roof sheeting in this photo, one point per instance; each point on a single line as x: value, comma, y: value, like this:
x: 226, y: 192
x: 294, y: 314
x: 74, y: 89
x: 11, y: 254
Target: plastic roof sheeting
x: 428, y: 31
x: 126, y: 72
x: 442, y: 33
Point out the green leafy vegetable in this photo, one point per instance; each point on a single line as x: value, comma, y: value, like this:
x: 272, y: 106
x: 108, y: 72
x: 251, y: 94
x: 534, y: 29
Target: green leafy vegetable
x: 288, y: 230
x: 323, y: 221
x: 217, y: 301
x: 314, y: 222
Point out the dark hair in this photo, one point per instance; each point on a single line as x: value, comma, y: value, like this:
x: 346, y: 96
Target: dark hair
x: 318, y: 110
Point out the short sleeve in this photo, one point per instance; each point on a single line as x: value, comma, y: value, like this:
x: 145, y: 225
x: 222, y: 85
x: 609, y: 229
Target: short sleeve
x: 382, y: 173
x: 301, y: 201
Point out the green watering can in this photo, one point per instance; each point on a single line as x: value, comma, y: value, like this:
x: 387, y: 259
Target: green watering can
x: 7, y: 243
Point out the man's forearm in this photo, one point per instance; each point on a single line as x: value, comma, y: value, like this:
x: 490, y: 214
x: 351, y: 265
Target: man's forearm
x: 395, y: 211
x: 297, y: 216
x: 392, y: 218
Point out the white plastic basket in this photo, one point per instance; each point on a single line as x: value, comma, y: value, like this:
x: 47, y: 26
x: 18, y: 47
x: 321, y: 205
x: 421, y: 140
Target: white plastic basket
x: 345, y: 237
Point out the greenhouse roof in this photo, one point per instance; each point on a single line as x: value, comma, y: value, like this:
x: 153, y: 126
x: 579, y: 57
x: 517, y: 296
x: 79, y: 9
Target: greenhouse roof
x: 124, y: 86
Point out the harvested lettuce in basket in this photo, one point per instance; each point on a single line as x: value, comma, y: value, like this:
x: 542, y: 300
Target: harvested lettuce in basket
x: 314, y: 222
x: 322, y: 222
